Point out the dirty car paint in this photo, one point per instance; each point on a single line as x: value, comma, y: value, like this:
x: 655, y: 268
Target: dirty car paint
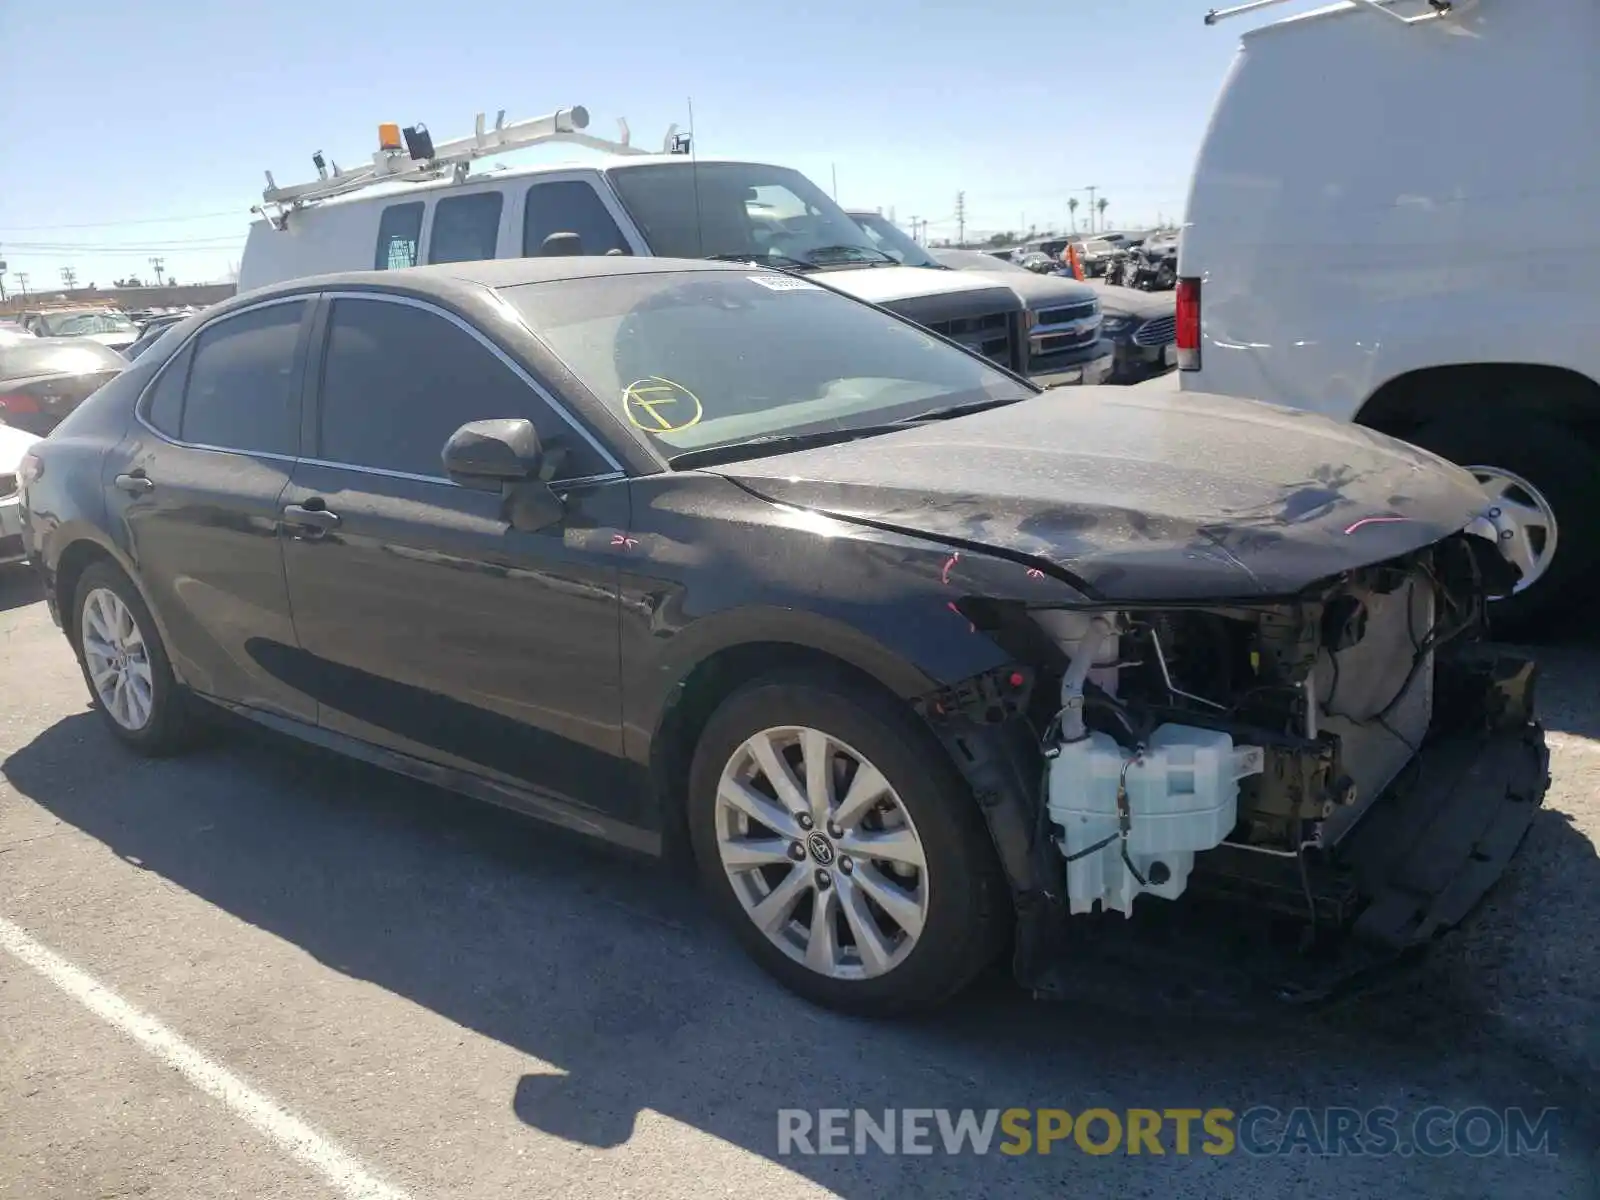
x: 1141, y: 496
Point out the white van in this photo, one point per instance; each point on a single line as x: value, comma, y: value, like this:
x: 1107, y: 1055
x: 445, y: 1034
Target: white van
x: 419, y: 204
x: 1392, y: 221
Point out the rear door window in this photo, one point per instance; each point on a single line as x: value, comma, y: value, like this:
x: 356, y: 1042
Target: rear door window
x: 399, y: 231
x: 465, y: 228
x: 398, y: 380
x: 569, y: 206
x: 243, y: 387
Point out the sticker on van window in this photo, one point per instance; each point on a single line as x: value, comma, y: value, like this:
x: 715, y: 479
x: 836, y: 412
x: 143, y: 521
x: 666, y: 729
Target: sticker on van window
x: 658, y: 405
x: 783, y: 283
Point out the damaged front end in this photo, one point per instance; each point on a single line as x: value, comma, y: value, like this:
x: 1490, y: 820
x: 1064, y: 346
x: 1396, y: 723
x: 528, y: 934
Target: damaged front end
x: 1353, y: 763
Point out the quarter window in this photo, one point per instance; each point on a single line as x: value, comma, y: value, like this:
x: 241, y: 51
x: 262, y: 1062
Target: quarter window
x: 164, y: 408
x: 242, y: 392
x: 399, y: 230
x: 569, y: 206
x: 398, y: 380
x: 465, y: 228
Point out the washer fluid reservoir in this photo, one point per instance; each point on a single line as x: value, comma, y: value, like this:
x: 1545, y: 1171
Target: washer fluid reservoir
x: 1182, y: 797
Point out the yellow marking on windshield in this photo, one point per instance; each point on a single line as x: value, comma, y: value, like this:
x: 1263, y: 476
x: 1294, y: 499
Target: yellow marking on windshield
x: 645, y: 399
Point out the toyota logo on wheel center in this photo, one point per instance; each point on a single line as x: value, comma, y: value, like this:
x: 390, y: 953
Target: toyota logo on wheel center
x: 821, y: 848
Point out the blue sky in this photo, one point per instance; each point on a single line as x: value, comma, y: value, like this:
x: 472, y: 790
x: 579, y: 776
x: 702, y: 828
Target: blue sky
x: 134, y: 130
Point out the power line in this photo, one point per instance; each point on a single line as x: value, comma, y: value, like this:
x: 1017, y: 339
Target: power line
x: 232, y: 212
x: 145, y: 247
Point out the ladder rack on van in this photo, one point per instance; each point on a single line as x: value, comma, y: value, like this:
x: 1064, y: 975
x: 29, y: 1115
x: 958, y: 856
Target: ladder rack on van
x: 1441, y: 8
x: 420, y: 158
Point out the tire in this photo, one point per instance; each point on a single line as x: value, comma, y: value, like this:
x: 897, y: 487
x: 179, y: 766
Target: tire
x: 1565, y: 471
x: 171, y: 725
x: 964, y: 903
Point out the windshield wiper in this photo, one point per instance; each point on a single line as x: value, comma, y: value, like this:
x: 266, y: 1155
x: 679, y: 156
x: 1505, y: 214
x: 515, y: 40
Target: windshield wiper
x: 782, y: 443
x: 776, y: 443
x: 956, y: 410
x: 837, y: 254
x: 765, y: 260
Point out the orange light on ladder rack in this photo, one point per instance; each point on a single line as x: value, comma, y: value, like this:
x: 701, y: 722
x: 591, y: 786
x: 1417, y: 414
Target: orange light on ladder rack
x: 389, y: 137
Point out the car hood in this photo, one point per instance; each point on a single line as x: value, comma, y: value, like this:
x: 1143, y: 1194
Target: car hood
x: 116, y: 341
x: 1038, y: 291
x: 1130, y: 302
x: 1137, y: 495
x: 884, y: 285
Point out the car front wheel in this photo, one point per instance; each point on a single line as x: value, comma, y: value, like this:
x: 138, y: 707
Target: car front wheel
x: 842, y: 846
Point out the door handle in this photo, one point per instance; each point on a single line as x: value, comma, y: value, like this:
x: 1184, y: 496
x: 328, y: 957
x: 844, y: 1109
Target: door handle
x: 318, y: 519
x: 136, y: 484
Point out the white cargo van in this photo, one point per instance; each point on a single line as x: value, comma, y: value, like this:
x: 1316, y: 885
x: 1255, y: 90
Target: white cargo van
x: 1392, y: 221
x: 419, y: 203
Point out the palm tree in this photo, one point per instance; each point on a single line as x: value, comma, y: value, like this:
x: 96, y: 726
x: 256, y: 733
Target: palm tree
x: 1101, y: 205
x: 1072, y: 212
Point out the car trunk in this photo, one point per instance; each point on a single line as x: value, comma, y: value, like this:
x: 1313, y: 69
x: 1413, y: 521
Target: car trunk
x: 38, y: 404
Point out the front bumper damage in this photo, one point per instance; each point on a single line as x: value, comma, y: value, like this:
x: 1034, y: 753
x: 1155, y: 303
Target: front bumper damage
x: 1301, y: 928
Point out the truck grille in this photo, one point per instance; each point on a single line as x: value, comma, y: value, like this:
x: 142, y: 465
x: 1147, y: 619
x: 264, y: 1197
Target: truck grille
x: 989, y: 335
x: 1055, y: 343
x: 1157, y: 332
x: 1070, y: 312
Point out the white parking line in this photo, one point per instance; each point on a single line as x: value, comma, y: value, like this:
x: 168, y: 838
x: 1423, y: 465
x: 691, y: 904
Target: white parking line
x: 257, y: 1110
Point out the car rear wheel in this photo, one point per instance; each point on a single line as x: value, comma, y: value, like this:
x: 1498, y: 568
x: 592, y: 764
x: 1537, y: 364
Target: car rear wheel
x: 1542, y: 487
x: 842, y: 846
x: 126, y: 667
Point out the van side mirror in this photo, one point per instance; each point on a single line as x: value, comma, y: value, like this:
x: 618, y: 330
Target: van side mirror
x: 489, y: 454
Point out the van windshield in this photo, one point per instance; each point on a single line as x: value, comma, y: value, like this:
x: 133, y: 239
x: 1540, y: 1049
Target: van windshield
x: 709, y: 358
x: 747, y: 210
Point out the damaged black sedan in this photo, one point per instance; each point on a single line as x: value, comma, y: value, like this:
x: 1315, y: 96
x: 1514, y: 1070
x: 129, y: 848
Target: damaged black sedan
x: 916, y: 663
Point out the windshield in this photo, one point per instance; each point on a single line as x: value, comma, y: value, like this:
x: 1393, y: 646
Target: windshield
x: 80, y: 324
x: 714, y: 210
x: 712, y: 358
x: 19, y: 360
x: 894, y: 241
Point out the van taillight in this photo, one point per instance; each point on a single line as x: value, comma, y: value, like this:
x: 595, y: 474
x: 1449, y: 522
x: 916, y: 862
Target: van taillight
x: 1188, y: 324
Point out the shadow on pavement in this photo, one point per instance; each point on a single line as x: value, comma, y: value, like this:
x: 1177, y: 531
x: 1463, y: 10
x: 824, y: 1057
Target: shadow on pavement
x: 19, y: 587
x: 607, y: 967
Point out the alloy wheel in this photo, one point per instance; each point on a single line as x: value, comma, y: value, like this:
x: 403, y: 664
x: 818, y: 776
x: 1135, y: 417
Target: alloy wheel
x: 117, y: 658
x: 821, y: 853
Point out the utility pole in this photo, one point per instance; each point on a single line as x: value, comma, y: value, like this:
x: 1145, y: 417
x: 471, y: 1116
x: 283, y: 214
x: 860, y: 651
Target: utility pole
x: 961, y: 218
x: 1091, y: 192
x: 157, y: 264
x: 22, y: 281
x: 914, y: 221
x: 69, y: 278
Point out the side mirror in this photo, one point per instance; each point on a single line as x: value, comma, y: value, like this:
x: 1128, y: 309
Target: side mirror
x: 490, y: 454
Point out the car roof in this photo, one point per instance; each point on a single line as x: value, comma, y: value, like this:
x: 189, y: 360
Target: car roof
x: 500, y: 273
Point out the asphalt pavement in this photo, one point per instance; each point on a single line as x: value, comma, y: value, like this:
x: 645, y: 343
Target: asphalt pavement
x: 258, y: 971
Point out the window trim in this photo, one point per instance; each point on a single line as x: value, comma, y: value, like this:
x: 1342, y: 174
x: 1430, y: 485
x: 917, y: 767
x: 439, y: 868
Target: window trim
x: 320, y: 354
x: 143, y: 403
